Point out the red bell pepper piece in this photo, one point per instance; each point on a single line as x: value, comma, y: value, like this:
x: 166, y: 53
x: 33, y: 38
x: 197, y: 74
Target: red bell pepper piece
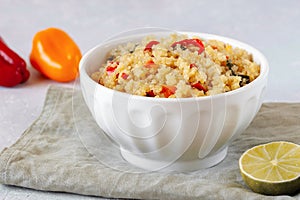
x: 150, y: 45
x: 190, y: 42
x: 13, y: 69
x: 124, y: 76
x: 110, y: 69
x: 199, y: 86
x: 193, y: 65
x: 150, y: 93
x: 214, y: 47
x: 168, y: 90
x: 150, y: 64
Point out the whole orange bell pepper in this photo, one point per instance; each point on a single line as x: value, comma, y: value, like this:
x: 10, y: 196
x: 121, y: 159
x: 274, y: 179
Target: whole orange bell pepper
x: 55, y: 55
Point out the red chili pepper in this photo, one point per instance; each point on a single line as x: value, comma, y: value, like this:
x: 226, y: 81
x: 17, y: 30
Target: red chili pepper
x: 199, y: 86
x: 168, y: 90
x: 190, y: 42
x: 12, y: 67
x: 150, y: 45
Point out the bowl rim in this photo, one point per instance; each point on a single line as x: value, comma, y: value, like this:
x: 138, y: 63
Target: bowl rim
x: 264, y: 68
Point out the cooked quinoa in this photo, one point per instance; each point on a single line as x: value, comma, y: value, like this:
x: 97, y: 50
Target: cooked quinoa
x: 176, y: 66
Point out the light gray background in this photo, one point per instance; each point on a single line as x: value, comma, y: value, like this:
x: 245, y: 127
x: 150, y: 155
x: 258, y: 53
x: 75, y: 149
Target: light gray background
x: 271, y: 26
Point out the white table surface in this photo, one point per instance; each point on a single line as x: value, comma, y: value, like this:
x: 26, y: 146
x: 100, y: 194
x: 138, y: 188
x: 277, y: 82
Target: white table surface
x: 271, y: 26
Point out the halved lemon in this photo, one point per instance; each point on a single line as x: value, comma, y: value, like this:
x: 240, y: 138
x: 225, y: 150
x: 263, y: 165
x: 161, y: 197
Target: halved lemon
x: 272, y: 168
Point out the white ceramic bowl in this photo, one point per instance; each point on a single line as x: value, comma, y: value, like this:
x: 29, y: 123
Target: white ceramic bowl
x: 182, y: 134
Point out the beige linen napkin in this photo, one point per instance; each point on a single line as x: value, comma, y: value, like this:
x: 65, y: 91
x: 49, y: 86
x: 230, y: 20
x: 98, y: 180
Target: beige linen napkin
x: 65, y: 150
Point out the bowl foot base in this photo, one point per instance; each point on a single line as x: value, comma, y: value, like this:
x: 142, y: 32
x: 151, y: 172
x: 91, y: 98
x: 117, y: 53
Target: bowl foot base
x: 174, y: 166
